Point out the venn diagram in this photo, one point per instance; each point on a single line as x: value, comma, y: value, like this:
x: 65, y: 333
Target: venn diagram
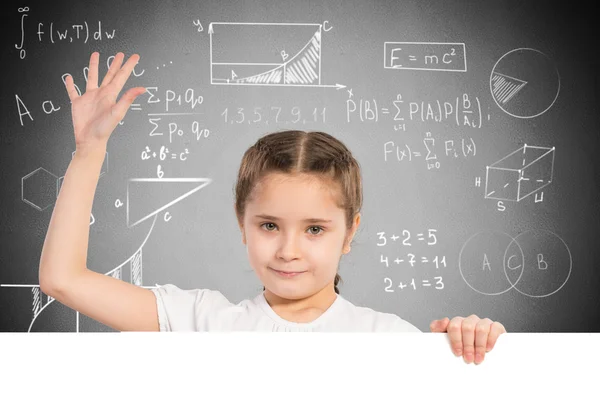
x: 536, y: 263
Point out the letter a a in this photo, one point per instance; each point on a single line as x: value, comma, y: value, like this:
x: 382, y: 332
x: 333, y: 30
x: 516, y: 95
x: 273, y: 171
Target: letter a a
x: 19, y: 104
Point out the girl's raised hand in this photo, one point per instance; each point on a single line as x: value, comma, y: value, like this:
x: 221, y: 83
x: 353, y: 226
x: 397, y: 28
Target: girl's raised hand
x: 96, y: 113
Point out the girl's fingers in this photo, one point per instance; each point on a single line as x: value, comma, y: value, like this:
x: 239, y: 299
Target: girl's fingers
x: 114, y: 67
x: 92, y: 82
x: 71, y: 91
x: 439, y: 325
x: 482, y: 331
x: 454, y: 329
x: 468, y: 337
x: 125, y: 72
x: 496, y: 329
x: 120, y: 109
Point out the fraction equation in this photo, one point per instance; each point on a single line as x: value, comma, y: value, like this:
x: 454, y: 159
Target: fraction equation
x: 461, y: 110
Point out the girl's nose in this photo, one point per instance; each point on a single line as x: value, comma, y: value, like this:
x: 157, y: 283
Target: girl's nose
x: 289, y: 248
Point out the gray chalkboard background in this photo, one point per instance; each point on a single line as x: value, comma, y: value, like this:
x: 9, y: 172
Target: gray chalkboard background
x: 475, y: 124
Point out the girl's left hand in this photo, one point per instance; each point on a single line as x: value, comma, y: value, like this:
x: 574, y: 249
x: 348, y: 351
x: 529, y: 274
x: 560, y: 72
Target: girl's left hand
x: 471, y: 337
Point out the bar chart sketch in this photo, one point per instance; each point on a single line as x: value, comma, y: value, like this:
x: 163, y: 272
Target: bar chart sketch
x: 266, y: 54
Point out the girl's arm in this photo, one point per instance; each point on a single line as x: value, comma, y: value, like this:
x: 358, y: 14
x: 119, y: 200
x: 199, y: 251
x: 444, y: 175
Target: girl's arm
x: 66, y: 245
x: 63, y: 273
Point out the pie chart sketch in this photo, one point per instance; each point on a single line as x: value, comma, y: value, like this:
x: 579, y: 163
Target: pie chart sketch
x: 524, y: 83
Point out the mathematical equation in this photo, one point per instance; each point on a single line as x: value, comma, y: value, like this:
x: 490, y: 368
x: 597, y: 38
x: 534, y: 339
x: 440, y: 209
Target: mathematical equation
x: 184, y: 103
x: 51, y: 34
x: 163, y: 154
x: 189, y: 101
x: 425, y: 56
x: 439, y: 284
x: 412, y: 260
x: 431, y: 237
x: 461, y: 110
x: 467, y: 148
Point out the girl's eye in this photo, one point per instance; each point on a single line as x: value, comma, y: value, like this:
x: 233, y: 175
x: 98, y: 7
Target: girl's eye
x: 267, y: 223
x: 316, y: 226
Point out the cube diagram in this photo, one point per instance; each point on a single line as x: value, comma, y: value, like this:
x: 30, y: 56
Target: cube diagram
x: 519, y: 174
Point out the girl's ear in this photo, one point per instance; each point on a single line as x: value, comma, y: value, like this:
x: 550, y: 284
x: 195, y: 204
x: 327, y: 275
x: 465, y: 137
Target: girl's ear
x: 241, y: 226
x: 347, y: 246
x: 356, y: 223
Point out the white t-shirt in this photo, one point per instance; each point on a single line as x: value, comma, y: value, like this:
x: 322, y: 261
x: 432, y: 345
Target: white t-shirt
x: 209, y: 310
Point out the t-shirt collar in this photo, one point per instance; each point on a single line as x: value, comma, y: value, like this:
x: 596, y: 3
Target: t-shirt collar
x: 264, y: 305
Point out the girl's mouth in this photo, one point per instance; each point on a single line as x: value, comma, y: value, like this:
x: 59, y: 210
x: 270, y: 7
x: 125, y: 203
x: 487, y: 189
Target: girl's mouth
x: 287, y: 274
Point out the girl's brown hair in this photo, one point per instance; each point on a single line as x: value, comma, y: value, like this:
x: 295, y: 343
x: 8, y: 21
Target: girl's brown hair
x: 297, y: 152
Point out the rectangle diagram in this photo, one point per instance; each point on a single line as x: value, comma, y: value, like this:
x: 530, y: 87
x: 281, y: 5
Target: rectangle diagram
x: 267, y: 54
x: 427, y: 56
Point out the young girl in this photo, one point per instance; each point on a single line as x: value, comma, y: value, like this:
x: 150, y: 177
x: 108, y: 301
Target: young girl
x: 297, y: 201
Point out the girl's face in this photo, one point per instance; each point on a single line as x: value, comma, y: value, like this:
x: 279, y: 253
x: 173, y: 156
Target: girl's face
x: 293, y: 224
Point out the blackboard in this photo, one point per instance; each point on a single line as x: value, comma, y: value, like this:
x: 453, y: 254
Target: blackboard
x: 475, y: 125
